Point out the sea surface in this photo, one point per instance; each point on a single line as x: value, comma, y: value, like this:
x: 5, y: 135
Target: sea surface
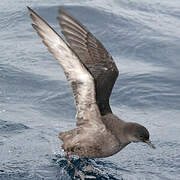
x: 36, y: 101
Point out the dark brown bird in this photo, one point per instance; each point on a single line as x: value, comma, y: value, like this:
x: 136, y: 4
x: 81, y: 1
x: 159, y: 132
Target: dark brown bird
x: 91, y: 72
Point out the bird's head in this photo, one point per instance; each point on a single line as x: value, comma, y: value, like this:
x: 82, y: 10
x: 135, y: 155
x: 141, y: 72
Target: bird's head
x: 137, y: 133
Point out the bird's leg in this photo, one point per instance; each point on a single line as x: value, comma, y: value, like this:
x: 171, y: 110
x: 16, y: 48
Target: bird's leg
x: 77, y: 173
x: 69, y: 162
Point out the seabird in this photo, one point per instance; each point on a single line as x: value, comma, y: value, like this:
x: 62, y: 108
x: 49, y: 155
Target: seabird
x: 91, y: 72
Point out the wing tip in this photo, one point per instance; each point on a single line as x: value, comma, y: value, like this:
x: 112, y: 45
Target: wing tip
x: 30, y: 10
x: 62, y: 11
x: 31, y: 13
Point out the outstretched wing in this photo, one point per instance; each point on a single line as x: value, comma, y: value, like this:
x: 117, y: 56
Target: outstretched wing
x: 77, y: 75
x: 94, y: 57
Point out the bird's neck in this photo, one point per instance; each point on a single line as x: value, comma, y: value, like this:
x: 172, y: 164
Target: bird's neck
x: 116, y: 126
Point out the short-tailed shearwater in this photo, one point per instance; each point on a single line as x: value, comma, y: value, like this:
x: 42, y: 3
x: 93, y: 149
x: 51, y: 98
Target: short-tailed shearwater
x: 91, y: 72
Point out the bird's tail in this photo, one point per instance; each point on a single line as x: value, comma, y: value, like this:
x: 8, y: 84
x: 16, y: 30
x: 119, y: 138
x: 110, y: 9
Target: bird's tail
x: 67, y: 138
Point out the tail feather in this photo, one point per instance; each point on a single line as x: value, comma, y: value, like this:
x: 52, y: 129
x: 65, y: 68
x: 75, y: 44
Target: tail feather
x: 64, y: 135
x: 67, y: 138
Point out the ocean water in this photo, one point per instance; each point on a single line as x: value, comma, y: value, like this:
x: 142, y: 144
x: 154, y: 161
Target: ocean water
x: 36, y: 102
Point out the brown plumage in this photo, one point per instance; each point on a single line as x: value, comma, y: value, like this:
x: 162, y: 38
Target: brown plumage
x: 94, y: 57
x: 91, y: 72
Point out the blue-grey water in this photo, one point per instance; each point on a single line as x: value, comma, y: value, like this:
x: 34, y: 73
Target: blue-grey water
x: 36, y: 102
